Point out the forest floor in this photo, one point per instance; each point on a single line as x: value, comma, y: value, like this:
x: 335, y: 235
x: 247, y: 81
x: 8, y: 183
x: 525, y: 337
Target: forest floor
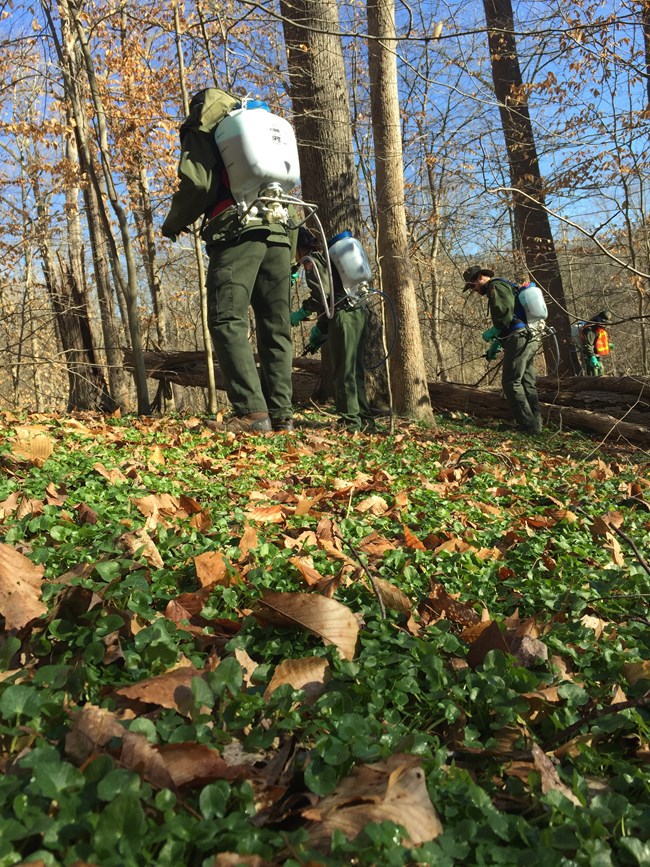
x: 426, y: 646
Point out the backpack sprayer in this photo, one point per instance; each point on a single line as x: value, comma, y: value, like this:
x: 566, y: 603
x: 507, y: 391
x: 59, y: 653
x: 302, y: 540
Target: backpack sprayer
x: 260, y: 153
x: 531, y: 308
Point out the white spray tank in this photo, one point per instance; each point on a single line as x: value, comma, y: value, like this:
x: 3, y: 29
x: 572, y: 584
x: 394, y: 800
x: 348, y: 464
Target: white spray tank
x: 532, y: 301
x: 348, y: 257
x: 260, y: 154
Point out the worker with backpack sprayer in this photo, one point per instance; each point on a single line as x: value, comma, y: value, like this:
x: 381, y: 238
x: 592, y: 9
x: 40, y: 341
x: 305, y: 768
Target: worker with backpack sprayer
x: 346, y: 330
x: 591, y: 341
x: 518, y: 316
x: 238, y: 163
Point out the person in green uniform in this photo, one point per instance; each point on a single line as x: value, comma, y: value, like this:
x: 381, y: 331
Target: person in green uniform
x: 249, y: 265
x: 346, y: 332
x: 594, y: 343
x: 519, y: 343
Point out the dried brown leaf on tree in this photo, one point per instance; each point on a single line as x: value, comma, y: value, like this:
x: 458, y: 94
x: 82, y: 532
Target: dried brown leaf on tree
x: 394, y: 790
x: 20, y: 588
x: 309, y: 673
x: 330, y: 620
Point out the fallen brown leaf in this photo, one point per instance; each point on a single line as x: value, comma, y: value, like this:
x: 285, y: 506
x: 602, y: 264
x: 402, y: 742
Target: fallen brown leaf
x: 20, y: 588
x: 309, y: 673
x: 394, y: 790
x: 327, y: 618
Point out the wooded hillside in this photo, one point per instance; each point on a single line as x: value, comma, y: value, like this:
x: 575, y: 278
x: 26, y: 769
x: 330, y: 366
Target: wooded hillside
x: 523, y: 136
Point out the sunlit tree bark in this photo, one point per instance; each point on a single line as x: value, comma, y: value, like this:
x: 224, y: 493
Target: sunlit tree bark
x: 531, y: 219
x: 407, y: 369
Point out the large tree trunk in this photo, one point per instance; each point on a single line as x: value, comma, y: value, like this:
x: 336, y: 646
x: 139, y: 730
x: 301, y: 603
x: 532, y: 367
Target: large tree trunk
x: 482, y: 403
x: 87, y: 387
x: 321, y: 106
x: 407, y: 368
x: 531, y: 219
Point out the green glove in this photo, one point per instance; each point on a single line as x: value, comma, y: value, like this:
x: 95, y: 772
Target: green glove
x: 493, y: 350
x: 297, y: 316
x: 316, y: 340
x: 593, y: 362
x: 490, y: 334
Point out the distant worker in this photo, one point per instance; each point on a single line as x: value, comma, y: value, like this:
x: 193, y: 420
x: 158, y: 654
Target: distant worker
x: 519, y: 342
x: 249, y: 245
x: 346, y: 333
x: 594, y: 343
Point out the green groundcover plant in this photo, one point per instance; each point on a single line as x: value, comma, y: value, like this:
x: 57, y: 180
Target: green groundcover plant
x: 417, y: 647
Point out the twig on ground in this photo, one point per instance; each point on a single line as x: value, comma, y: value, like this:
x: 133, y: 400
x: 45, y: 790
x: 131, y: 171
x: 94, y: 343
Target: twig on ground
x: 375, y: 589
x: 594, y: 714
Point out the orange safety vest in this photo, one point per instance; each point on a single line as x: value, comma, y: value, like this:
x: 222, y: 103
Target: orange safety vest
x: 601, y: 344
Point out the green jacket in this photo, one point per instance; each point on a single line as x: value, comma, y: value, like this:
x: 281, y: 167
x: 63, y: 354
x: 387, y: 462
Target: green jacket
x: 501, y: 302
x: 314, y: 302
x: 204, y: 187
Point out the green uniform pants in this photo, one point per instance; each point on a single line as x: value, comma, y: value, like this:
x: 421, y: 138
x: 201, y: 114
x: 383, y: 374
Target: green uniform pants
x: 253, y: 271
x: 518, y: 380
x: 347, y: 332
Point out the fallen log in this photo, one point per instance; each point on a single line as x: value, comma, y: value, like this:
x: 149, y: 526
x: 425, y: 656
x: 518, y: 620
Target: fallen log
x: 608, y: 406
x: 489, y: 402
x: 189, y: 369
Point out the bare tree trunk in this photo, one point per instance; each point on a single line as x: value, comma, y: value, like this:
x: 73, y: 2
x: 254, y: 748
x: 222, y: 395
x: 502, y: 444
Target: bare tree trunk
x: 531, y: 219
x: 131, y: 284
x: 87, y: 387
x: 321, y: 107
x: 645, y: 18
x: 98, y: 225
x: 196, y: 236
x: 407, y: 368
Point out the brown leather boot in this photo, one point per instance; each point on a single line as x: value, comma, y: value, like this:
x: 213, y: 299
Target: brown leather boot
x: 254, y: 422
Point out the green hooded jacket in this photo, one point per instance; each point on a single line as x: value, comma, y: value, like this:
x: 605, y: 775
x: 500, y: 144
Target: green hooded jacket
x: 203, y: 180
